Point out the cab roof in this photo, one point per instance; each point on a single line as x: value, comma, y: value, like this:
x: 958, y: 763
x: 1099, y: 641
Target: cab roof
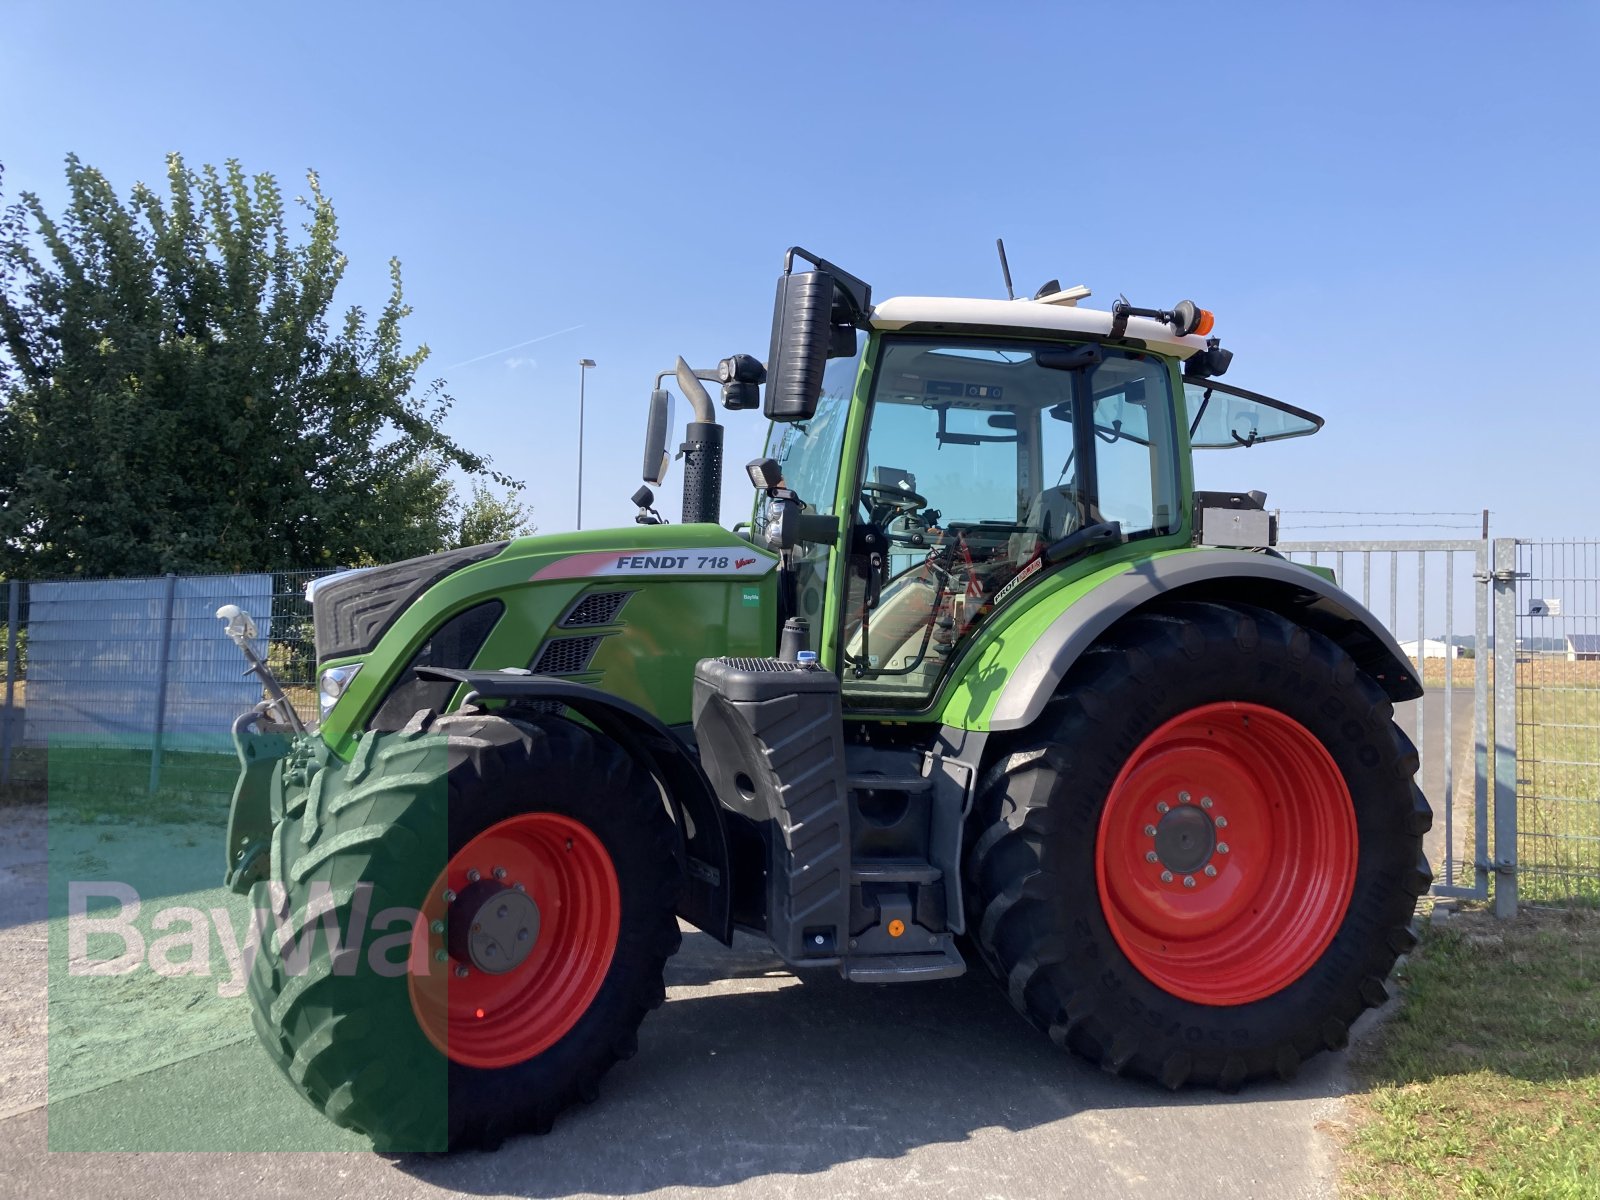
x: 1054, y: 314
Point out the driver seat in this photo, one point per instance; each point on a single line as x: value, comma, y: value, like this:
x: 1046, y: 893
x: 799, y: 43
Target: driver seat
x: 1054, y: 513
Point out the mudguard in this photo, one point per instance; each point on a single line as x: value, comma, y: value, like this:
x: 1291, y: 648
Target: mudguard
x: 708, y: 884
x: 1237, y: 576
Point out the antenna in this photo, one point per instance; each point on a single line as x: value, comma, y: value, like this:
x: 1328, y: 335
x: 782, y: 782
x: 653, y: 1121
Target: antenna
x: 1005, y: 267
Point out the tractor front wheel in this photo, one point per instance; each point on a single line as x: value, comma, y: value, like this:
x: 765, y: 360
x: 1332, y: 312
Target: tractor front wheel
x: 1202, y: 863
x: 514, y: 884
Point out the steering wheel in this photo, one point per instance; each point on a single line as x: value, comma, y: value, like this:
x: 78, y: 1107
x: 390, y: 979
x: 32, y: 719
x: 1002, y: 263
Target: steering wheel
x: 890, y: 500
x: 887, y: 503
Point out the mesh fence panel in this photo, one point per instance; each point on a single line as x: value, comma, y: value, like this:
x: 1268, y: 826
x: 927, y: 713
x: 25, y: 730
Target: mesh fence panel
x: 139, y: 670
x: 1558, y: 719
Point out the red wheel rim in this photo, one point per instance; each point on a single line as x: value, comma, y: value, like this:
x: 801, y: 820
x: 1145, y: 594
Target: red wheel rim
x: 485, y: 1019
x: 1226, y: 854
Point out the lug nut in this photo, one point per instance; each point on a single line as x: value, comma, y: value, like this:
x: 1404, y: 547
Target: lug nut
x: 462, y: 972
x: 440, y: 956
x: 1162, y: 807
x: 1211, y: 871
x: 1222, y: 822
x: 473, y: 876
x: 449, y: 896
x: 1149, y: 831
x: 436, y: 927
x: 518, y: 887
x: 499, y: 872
x: 1166, y: 877
x: 1188, y: 881
x: 1222, y: 847
x: 1205, y: 801
x: 1151, y: 856
x: 1183, y: 797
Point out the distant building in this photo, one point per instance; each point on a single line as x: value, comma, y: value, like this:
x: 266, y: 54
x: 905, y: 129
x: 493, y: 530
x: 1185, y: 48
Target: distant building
x: 1583, y: 647
x: 1431, y: 648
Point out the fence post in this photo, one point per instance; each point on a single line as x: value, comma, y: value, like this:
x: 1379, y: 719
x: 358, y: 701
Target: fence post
x: 161, y: 683
x: 13, y: 615
x: 1505, y: 727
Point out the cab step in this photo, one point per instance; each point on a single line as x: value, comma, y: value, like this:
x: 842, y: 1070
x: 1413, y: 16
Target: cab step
x: 944, y: 962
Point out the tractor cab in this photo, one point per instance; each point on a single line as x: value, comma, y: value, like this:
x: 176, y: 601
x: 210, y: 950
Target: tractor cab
x: 946, y: 456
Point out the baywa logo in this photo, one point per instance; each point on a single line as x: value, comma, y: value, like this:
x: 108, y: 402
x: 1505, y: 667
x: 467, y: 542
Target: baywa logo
x: 112, y: 943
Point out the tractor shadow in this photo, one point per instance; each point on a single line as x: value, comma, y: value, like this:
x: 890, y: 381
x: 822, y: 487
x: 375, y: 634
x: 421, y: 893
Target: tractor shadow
x: 747, y: 1072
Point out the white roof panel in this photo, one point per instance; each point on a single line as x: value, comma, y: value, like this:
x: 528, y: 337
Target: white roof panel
x: 898, y: 312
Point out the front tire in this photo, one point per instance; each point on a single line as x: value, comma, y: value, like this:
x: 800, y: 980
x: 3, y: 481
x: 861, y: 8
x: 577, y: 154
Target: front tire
x: 1202, y: 862
x: 562, y: 849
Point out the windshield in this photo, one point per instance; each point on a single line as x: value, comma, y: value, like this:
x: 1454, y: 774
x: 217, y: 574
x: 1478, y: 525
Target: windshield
x: 1227, y: 418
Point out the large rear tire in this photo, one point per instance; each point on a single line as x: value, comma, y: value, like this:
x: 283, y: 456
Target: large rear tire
x: 561, y: 848
x: 1201, y: 863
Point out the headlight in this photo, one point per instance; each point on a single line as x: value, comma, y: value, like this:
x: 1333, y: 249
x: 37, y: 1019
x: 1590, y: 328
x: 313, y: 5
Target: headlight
x: 331, y: 684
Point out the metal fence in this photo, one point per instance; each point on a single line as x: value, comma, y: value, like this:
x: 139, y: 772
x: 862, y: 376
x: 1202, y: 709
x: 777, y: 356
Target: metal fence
x: 1557, y: 713
x: 138, y: 670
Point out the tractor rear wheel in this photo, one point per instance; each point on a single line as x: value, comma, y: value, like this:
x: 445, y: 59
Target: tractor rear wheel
x: 530, y: 869
x: 1201, y: 863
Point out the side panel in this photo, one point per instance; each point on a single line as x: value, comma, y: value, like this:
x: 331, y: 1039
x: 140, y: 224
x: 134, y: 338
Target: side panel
x: 1042, y: 646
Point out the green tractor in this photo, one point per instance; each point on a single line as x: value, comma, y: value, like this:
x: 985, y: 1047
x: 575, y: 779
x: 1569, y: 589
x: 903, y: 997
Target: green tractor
x: 984, y: 679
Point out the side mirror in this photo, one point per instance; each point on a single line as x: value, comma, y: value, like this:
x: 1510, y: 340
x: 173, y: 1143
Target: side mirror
x: 658, y: 427
x: 802, y: 331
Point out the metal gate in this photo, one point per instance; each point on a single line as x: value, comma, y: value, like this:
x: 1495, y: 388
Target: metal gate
x: 1438, y: 598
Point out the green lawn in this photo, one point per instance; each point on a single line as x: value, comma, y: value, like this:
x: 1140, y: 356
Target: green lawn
x: 1486, y: 1082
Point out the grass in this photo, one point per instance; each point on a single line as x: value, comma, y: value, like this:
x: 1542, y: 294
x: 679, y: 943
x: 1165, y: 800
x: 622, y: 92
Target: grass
x: 1486, y: 1082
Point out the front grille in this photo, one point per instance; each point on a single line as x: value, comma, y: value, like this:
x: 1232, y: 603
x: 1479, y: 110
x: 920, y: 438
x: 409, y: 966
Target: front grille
x: 597, y: 608
x: 565, y: 656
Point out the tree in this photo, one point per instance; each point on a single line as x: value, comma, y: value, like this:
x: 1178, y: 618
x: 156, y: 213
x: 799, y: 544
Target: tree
x: 486, y: 517
x: 173, y: 396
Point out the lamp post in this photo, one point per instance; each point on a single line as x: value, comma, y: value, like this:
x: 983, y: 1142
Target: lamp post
x: 583, y: 373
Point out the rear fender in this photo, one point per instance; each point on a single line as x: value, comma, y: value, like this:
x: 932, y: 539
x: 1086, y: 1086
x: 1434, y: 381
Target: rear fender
x: 1224, y: 576
x: 708, y: 888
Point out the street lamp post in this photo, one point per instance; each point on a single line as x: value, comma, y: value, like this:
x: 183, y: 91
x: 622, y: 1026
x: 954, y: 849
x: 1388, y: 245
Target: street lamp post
x: 583, y: 373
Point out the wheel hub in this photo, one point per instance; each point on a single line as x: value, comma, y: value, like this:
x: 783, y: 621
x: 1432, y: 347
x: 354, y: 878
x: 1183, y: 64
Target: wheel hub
x: 493, y: 927
x: 1185, y: 838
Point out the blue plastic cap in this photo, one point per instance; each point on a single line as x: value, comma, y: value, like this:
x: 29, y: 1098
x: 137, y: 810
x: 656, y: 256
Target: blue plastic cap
x: 806, y: 658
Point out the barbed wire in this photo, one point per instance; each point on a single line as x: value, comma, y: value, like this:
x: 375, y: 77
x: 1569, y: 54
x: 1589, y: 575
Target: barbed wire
x: 1379, y: 525
x: 1345, y: 512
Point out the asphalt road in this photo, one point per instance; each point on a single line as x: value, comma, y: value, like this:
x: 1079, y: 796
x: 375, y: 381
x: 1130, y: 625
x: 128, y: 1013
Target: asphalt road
x: 748, y: 1081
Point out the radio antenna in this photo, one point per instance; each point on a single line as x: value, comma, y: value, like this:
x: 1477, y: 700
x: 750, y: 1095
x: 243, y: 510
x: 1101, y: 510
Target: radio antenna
x: 1005, y: 267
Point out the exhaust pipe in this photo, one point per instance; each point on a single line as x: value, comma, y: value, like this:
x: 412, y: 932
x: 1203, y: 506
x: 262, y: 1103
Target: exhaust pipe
x: 702, y: 453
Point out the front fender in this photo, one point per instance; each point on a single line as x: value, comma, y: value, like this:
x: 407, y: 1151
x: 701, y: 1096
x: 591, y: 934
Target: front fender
x: 1225, y: 576
x: 708, y: 884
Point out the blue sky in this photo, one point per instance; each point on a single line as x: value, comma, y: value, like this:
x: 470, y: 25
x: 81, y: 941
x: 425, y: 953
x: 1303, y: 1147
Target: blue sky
x: 1390, y: 207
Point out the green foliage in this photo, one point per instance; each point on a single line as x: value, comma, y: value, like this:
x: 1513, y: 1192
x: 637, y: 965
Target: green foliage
x: 486, y: 517
x: 175, y: 397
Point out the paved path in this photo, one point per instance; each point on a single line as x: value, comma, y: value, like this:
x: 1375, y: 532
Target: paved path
x: 748, y: 1081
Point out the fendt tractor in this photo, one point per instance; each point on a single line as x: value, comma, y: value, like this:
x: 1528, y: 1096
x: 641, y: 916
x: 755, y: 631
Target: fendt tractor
x: 984, y: 678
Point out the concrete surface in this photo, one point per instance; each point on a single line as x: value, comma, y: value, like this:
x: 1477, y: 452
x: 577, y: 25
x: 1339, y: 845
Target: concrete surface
x: 748, y: 1081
